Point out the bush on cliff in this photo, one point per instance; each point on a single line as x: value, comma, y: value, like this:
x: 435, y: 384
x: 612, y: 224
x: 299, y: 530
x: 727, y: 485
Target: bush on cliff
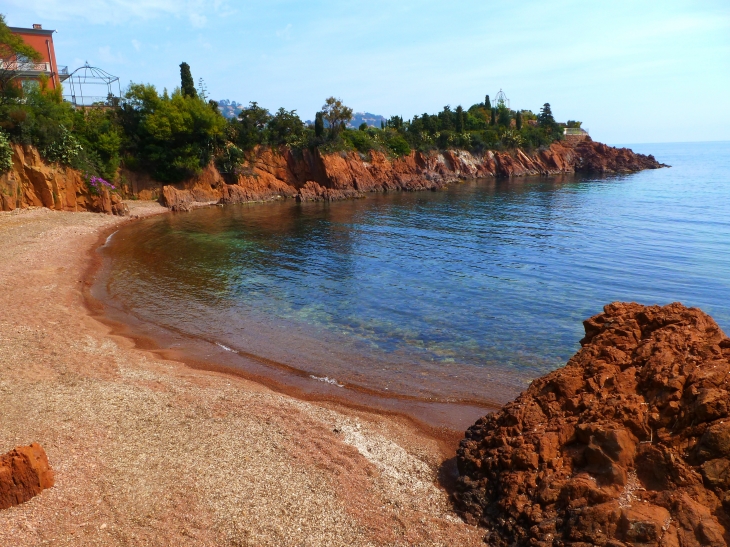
x: 6, y: 153
x: 171, y: 136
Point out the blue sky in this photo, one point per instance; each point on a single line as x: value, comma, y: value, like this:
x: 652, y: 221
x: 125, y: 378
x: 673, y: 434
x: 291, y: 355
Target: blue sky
x: 632, y: 71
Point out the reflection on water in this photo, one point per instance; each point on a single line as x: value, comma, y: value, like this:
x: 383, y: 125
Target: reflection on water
x: 466, y: 293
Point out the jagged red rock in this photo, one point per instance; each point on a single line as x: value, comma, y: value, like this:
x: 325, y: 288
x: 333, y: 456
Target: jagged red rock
x: 24, y: 473
x: 311, y: 176
x: 628, y: 444
x: 33, y: 182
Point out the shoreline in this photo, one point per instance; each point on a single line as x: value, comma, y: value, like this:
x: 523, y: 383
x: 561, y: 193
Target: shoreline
x: 431, y: 417
x: 132, y: 435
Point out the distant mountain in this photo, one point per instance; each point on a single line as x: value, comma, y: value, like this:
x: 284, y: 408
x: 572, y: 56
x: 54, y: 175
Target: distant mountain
x: 373, y: 120
x: 229, y: 109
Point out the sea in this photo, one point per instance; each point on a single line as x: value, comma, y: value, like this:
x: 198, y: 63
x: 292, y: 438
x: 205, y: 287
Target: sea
x: 437, y: 305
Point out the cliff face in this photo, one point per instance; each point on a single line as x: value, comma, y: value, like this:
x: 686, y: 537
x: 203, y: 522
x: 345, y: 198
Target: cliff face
x: 313, y: 176
x: 34, y: 183
x: 305, y: 176
x: 628, y: 444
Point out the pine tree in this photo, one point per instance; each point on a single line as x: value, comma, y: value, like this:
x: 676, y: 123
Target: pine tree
x: 518, y: 120
x: 545, y: 117
x: 487, y: 103
x: 187, y: 85
x: 319, y: 124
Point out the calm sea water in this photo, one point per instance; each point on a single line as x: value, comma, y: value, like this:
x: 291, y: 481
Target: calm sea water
x: 462, y: 294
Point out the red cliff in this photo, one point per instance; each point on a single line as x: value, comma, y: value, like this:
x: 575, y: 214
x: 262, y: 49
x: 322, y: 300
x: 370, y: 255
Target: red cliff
x: 32, y: 182
x: 628, y: 444
x: 313, y: 176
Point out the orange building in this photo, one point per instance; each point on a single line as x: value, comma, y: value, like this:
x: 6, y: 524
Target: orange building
x: 42, y: 41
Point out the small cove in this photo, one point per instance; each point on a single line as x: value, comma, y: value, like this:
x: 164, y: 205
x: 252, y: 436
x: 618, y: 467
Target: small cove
x: 448, y: 302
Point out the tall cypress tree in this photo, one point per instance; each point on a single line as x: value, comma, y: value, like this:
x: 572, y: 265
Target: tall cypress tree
x: 493, y: 119
x: 318, y: 124
x: 518, y: 120
x: 187, y: 85
x: 487, y: 103
x: 459, y: 119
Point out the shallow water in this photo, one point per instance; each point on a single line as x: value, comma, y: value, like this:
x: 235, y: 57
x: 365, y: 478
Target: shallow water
x: 460, y: 295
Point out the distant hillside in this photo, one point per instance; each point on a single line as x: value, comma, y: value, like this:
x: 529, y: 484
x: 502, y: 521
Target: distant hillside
x: 373, y: 120
x: 229, y: 109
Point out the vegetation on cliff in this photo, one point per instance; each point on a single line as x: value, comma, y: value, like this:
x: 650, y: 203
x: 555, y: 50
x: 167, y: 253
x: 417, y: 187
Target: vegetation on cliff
x: 173, y: 136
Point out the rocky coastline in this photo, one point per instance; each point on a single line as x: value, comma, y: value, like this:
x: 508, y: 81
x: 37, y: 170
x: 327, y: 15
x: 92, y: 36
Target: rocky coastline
x: 311, y: 176
x: 305, y: 176
x: 628, y: 444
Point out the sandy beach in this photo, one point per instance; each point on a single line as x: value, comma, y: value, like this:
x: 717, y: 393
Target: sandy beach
x: 149, y: 451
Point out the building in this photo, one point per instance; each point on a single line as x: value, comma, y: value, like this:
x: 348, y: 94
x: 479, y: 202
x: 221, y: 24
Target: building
x: 27, y: 71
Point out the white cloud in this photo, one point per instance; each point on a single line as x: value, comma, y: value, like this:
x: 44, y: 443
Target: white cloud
x: 137, y: 45
x: 121, y: 11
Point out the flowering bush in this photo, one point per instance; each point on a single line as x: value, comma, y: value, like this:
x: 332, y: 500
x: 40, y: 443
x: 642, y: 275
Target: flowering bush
x: 62, y: 149
x: 95, y: 184
x: 6, y: 153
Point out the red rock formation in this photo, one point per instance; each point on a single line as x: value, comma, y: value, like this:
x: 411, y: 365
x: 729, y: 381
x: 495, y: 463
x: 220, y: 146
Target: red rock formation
x: 312, y: 176
x: 34, y: 183
x: 628, y: 444
x: 24, y: 473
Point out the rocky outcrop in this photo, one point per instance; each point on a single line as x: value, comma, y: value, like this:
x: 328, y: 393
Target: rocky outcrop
x: 628, y: 444
x: 306, y: 175
x: 33, y: 182
x: 24, y: 473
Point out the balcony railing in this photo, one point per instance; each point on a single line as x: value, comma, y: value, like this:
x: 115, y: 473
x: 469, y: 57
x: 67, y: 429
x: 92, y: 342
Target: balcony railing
x: 25, y: 66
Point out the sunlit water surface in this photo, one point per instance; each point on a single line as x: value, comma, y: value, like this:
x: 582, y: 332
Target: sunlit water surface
x: 462, y: 294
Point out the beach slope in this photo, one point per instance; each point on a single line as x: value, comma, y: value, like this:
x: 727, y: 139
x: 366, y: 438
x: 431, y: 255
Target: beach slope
x: 151, y: 452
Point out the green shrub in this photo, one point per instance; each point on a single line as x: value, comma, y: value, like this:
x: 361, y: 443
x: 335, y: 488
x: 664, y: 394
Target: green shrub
x: 64, y: 149
x: 399, y: 146
x: 6, y: 154
x: 359, y: 140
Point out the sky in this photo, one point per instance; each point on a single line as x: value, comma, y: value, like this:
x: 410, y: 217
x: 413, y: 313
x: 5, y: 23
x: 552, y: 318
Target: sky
x: 633, y: 71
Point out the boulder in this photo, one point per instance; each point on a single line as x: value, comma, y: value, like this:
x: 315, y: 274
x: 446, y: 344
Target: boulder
x: 628, y: 444
x: 24, y: 473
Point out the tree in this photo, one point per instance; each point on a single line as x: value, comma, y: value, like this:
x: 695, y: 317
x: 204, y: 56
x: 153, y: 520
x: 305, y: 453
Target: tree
x: 202, y: 89
x: 545, y: 117
x: 459, y: 119
x: 487, y: 103
x: 493, y: 117
x: 363, y: 126
x: 503, y: 118
x: 285, y: 127
x: 252, y: 126
x: 187, y: 85
x: 336, y: 114
x: 518, y: 120
x: 318, y: 124
x: 17, y: 56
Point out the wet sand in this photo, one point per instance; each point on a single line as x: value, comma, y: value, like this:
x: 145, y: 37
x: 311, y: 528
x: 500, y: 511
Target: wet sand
x: 150, y: 451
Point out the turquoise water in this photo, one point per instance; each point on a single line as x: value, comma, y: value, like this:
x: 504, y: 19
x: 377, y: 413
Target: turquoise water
x: 462, y: 294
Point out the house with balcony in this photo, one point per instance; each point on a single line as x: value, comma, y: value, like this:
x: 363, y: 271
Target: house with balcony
x: 27, y: 71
